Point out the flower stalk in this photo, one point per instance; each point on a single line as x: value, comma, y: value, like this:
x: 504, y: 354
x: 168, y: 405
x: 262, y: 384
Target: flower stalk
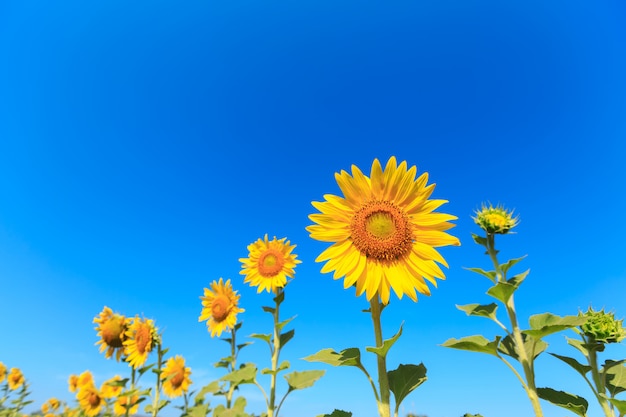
x: 384, y: 409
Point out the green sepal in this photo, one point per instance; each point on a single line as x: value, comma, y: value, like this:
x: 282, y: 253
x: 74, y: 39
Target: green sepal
x: 579, y: 367
x: 508, y: 264
x: 337, y: 413
x: 480, y: 310
x: 475, y: 343
x: 547, y: 323
x: 283, y: 365
x: 244, y: 375
x: 347, y: 357
x: 286, y: 337
x: 574, y: 403
x: 404, y: 379
x: 533, y: 347
x: 303, y: 379
x: 615, y: 378
x: 489, y: 274
x: 382, y: 350
x: 504, y: 290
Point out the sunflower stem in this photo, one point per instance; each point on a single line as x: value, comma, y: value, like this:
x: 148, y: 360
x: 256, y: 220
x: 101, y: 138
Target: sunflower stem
x: 157, y: 391
x: 598, y: 379
x: 275, y: 354
x: 233, y: 364
x: 383, y: 380
x: 527, y: 365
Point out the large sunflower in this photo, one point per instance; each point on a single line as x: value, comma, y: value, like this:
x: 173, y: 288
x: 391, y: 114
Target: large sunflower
x: 90, y: 399
x: 220, y: 307
x: 111, y: 329
x: 383, y: 231
x: 140, y: 339
x: 269, y: 264
x: 175, y: 377
x: 15, y: 379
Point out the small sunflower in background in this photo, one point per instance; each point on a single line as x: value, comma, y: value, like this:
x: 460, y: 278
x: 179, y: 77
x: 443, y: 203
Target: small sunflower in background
x: 3, y: 371
x: 175, y: 377
x: 124, y: 402
x: 140, y: 339
x: 15, y: 379
x: 90, y: 399
x: 220, y: 307
x: 383, y: 231
x: 111, y: 330
x: 269, y: 264
x: 50, y: 406
x: 111, y: 388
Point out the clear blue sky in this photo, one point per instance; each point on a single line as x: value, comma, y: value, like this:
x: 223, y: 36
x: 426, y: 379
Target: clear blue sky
x: 145, y: 144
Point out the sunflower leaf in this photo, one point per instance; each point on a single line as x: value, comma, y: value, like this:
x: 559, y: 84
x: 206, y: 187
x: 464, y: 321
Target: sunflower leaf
x: 286, y: 337
x: 479, y: 239
x: 243, y: 345
x: 347, y: 357
x: 480, y: 310
x: 404, y: 379
x: 337, y: 413
x: 579, y: 367
x: 382, y: 350
x: 574, y: 403
x: 502, y: 291
x: 270, y: 310
x: 489, y: 274
x: 283, y: 323
x: 303, y: 379
x: 508, y: 264
x: 244, y: 375
x: 283, y: 365
x: 266, y: 337
x: 616, y: 379
x: 199, y: 410
x: 619, y: 404
x: 144, y: 369
x: 211, y: 388
x: 547, y: 323
x: 475, y: 343
x: 578, y: 344
x: 533, y: 347
x: 279, y: 298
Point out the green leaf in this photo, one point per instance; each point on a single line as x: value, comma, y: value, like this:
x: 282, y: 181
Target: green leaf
x: 532, y: 346
x: 266, y: 337
x: 243, y: 345
x: 476, y: 343
x: 337, y: 413
x: 574, y: 403
x: 347, y: 357
x: 270, y: 310
x: 279, y: 298
x: 244, y: 375
x: 404, y: 379
x: 578, y: 344
x: 620, y: 405
x: 284, y: 323
x: 487, y: 310
x: 579, y: 367
x: 200, y: 410
x: 489, y: 274
x: 508, y: 264
x: 210, y: 388
x: 286, y: 337
x: 480, y: 240
x: 303, y: 379
x: 283, y: 365
x: 502, y: 291
x: 616, y: 379
x: 548, y: 323
x: 382, y: 350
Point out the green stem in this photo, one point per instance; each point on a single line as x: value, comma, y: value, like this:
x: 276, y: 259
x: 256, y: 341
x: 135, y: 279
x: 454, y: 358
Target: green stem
x: 527, y: 366
x: 383, y: 381
x: 597, y: 378
x: 157, y: 392
x: 233, y: 364
x: 275, y: 354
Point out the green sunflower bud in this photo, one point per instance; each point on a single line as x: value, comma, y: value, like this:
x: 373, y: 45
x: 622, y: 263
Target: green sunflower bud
x: 495, y: 220
x: 603, y: 327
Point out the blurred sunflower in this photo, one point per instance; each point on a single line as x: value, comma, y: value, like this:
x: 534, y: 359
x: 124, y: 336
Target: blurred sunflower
x: 269, y: 264
x: 175, y: 377
x: 111, y: 329
x: 72, y: 383
x: 383, y: 231
x: 15, y: 379
x: 126, y: 401
x: 3, y: 371
x: 139, y: 340
x: 90, y: 400
x: 50, y: 405
x: 220, y: 307
x: 110, y: 388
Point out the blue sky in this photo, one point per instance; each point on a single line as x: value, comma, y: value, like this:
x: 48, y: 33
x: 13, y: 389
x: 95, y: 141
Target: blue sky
x: 145, y: 144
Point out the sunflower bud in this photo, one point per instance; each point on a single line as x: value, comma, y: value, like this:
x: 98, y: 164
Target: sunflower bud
x: 496, y: 220
x: 603, y: 327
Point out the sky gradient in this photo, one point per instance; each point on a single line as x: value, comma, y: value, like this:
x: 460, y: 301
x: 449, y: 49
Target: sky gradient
x: 145, y: 144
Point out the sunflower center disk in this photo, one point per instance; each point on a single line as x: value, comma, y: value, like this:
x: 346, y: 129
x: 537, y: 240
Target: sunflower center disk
x: 142, y: 338
x: 219, y: 308
x: 112, y: 332
x: 94, y: 399
x: 270, y: 263
x: 177, y: 380
x: 380, y: 230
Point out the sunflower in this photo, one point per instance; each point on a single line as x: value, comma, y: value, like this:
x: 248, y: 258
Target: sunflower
x: 77, y: 381
x: 15, y: 379
x: 139, y: 341
x: 220, y: 307
x: 269, y: 264
x: 111, y: 329
x: 126, y: 401
x: 175, y: 377
x: 3, y: 371
x: 111, y: 387
x: 495, y: 220
x: 90, y: 399
x: 51, y: 405
x: 383, y: 231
